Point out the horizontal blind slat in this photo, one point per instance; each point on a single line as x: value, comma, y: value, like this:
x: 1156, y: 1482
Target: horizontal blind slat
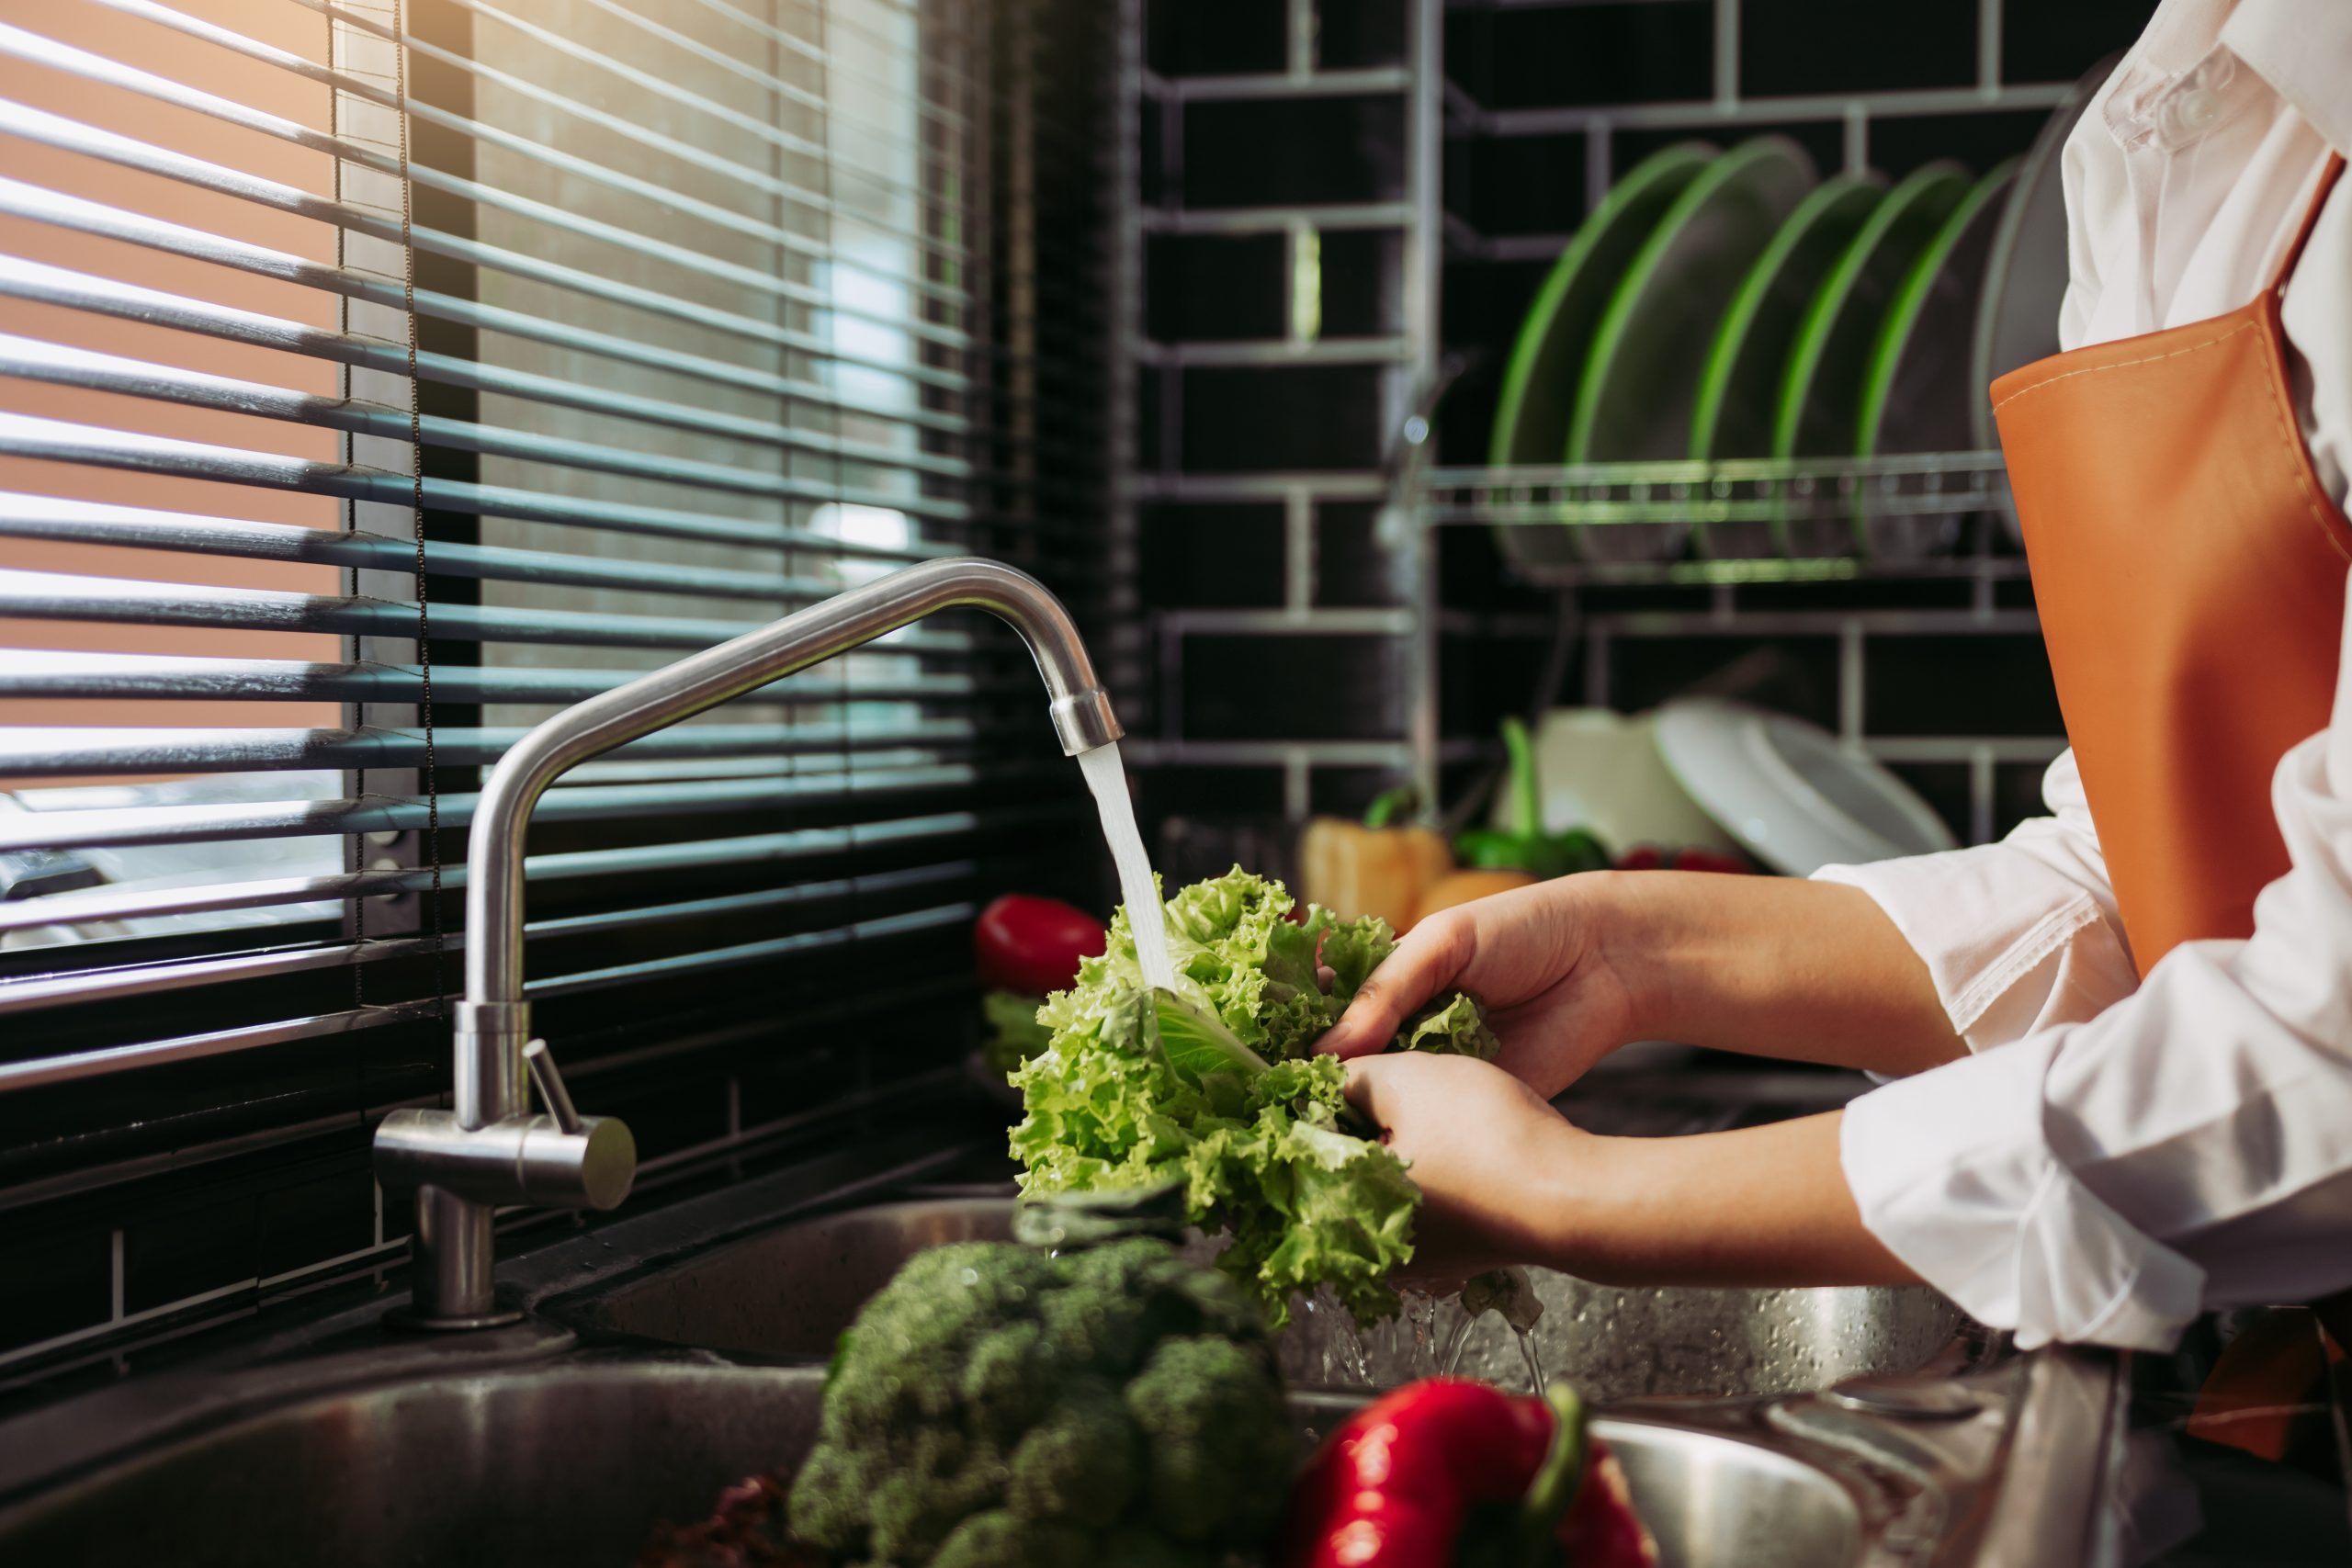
x: 41, y: 1072
x: 40, y: 203
x: 122, y: 826
x: 553, y: 157
x: 25, y: 435
x: 128, y: 980
x: 74, y: 136
x: 41, y: 50
x: 33, y: 752
x: 684, y: 152
x: 26, y: 516
x: 42, y: 283
x: 635, y: 860
x: 36, y: 359
x: 32, y: 672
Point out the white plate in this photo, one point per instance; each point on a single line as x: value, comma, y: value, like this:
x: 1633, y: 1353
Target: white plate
x: 1789, y: 792
x: 1601, y: 769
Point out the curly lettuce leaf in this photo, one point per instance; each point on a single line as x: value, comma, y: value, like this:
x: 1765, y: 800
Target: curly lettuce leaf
x: 1014, y: 1034
x: 1456, y: 1027
x: 1217, y: 1085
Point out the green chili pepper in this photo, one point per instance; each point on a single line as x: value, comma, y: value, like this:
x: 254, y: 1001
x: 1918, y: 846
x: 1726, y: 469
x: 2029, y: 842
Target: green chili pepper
x: 1524, y: 846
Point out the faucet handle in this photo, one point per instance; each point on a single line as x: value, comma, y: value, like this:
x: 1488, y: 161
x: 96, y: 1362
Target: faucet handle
x: 558, y: 1098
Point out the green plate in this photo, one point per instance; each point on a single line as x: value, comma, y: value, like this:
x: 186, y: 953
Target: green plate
x: 2024, y: 283
x: 1821, y: 387
x: 1916, y: 394
x: 1532, y: 419
x: 1640, y: 377
x: 1732, y: 415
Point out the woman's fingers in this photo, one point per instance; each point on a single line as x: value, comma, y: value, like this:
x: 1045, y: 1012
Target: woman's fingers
x: 1429, y: 960
x: 1363, y: 1090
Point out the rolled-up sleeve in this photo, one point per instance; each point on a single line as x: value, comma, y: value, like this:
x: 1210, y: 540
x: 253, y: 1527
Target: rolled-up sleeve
x: 2019, y: 936
x: 2189, y: 1146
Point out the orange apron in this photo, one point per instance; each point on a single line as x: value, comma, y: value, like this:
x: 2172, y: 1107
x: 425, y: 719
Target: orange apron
x: 2190, y: 573
x: 2189, y: 570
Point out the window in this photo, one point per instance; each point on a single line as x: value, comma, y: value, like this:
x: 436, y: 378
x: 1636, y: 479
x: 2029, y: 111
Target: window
x: 339, y: 447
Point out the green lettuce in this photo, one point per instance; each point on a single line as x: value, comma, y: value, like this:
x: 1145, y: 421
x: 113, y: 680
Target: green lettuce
x: 1215, y: 1086
x: 1013, y: 1033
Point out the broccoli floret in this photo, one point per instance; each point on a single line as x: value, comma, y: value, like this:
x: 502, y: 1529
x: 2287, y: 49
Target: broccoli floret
x: 996, y: 1404
x: 936, y: 1478
x: 1213, y: 1428
x: 828, y: 1506
x: 1001, y: 1539
x: 1139, y: 1546
x: 1079, y: 1462
x: 1007, y: 1382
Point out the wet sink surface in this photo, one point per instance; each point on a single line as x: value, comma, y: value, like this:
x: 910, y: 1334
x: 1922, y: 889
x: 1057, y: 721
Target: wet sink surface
x: 791, y: 1291
x: 569, y: 1462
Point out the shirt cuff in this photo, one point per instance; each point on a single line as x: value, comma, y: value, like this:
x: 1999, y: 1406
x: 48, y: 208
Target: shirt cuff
x: 2010, y: 945
x: 1951, y: 1172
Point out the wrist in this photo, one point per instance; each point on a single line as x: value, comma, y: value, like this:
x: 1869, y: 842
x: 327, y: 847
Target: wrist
x: 1615, y: 934
x: 1566, y: 1217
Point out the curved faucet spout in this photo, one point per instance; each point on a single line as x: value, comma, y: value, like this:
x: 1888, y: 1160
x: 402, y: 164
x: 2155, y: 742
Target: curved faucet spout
x: 1081, y: 711
x: 494, y: 1021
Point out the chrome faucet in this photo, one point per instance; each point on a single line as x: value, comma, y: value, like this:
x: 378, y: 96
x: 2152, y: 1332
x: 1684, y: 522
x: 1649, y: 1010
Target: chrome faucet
x: 487, y: 1149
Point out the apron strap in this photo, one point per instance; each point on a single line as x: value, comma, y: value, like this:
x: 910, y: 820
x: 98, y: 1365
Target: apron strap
x: 2327, y: 177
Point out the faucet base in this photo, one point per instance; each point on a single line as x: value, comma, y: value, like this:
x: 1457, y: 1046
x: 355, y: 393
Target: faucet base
x: 409, y: 1320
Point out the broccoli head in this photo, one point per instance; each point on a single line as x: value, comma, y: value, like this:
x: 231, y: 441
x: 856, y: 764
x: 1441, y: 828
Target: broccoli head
x: 996, y: 1404
x: 1211, y: 1428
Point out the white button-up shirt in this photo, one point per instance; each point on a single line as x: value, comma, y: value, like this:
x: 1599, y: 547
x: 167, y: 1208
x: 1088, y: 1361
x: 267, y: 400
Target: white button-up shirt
x: 2116, y: 1156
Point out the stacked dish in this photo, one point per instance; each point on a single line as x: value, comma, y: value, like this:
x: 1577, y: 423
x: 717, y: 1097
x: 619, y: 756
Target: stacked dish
x: 1722, y: 305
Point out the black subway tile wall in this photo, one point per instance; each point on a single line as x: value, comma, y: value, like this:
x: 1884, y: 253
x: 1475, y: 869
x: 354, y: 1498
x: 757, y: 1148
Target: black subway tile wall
x: 1354, y: 569
x: 1360, y: 34
x: 1212, y: 555
x: 2043, y: 42
x: 1898, y: 145
x: 1519, y: 184
x: 1296, y: 152
x: 1615, y: 52
x: 1214, y: 38
x: 1361, y: 282
x: 1261, y: 476
x: 1204, y: 288
x: 1278, y: 417
x: 1291, y: 688
x: 1789, y: 48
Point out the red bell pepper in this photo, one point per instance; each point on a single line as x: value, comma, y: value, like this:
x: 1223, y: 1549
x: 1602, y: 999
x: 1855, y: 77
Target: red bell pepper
x: 1033, y: 945
x: 1448, y: 1470
x: 1649, y: 857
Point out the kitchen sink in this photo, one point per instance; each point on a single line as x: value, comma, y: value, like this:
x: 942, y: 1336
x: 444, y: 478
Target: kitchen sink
x: 791, y: 1291
x: 569, y: 1461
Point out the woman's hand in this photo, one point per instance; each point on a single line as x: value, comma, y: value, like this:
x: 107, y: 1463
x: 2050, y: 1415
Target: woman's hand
x: 1505, y: 1178
x: 1572, y: 968
x: 1532, y: 956
x: 1495, y: 1164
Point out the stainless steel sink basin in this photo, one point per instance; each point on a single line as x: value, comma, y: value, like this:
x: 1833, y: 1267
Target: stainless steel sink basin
x: 791, y: 1291
x: 570, y: 1461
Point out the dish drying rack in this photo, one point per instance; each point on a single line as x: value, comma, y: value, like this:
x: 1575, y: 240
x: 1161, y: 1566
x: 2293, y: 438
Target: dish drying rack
x: 1697, y: 497
x: 1685, y: 501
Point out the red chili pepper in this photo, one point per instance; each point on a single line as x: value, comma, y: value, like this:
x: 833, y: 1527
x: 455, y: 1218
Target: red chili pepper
x: 1707, y: 860
x: 1649, y: 857
x: 1446, y: 1471
x: 1033, y: 945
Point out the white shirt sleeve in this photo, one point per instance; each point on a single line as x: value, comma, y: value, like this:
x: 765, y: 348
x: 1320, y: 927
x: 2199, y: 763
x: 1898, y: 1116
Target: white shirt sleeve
x: 2126, y: 1159
x: 2189, y: 1147
x: 2019, y: 935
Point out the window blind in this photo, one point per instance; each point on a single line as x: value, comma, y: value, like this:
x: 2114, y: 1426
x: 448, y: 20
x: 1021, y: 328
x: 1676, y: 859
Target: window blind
x: 380, y: 376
